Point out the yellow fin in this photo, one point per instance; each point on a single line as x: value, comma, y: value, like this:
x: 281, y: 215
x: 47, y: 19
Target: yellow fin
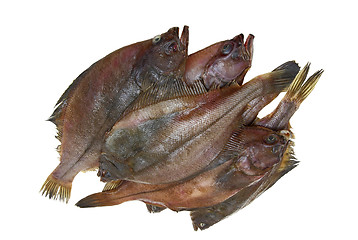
x: 112, y: 185
x: 54, y: 189
x: 300, y: 89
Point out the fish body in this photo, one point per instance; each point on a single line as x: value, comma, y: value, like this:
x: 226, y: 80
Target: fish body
x: 251, y: 153
x: 179, y: 140
x: 98, y: 97
x: 278, y: 120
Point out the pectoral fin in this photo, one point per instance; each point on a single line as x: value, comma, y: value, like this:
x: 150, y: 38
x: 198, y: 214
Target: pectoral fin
x: 154, y: 209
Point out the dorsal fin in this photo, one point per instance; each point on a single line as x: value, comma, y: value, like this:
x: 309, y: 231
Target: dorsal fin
x: 165, y: 90
x: 60, y: 107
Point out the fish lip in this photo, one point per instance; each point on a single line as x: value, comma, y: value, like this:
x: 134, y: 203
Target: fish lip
x: 184, y: 38
x: 249, y: 45
x: 246, y: 49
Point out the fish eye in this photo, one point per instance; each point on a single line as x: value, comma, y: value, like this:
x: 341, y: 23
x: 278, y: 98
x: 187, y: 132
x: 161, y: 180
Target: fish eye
x: 271, y: 139
x: 156, y: 39
x: 226, y: 49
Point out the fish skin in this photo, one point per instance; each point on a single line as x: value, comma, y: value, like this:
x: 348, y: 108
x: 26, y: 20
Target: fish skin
x: 251, y: 157
x: 184, y: 140
x: 278, y: 120
x: 103, y: 92
x: 221, y: 63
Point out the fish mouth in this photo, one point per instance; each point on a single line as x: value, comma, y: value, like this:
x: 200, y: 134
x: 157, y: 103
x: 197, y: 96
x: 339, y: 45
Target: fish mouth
x: 184, y: 39
x: 244, y: 55
x: 249, y: 45
x: 244, y: 50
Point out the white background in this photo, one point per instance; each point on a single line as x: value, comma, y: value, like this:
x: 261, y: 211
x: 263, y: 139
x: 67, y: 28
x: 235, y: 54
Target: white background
x: 44, y: 46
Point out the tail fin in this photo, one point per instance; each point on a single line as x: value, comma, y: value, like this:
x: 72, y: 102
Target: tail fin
x: 286, y: 71
x: 296, y: 94
x: 300, y: 89
x: 284, y: 74
x: 55, y: 189
x: 277, y: 80
x: 99, y: 200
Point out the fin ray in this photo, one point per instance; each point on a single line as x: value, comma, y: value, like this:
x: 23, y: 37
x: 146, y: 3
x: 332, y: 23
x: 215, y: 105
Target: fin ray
x: 54, y: 189
x: 112, y: 185
x: 166, y: 90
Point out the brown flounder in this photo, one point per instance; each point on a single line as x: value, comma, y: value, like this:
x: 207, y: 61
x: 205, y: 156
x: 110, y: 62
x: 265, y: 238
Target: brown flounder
x: 250, y: 153
x: 278, y: 120
x: 98, y: 97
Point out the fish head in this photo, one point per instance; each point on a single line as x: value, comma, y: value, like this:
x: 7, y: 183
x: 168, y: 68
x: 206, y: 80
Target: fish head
x: 169, y: 52
x: 263, y: 149
x: 231, y: 62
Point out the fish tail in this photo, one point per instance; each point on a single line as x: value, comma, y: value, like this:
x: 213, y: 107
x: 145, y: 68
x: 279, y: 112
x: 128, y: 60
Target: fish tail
x: 278, y: 80
x: 108, y: 198
x: 297, y: 92
x: 55, y: 189
x: 300, y: 87
x: 283, y: 75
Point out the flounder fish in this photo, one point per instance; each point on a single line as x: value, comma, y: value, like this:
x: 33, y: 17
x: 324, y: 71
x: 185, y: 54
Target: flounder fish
x: 250, y: 153
x: 97, y: 98
x: 278, y: 120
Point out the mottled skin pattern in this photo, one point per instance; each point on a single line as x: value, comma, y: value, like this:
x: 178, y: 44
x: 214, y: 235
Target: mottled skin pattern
x: 186, y: 136
x: 98, y: 97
